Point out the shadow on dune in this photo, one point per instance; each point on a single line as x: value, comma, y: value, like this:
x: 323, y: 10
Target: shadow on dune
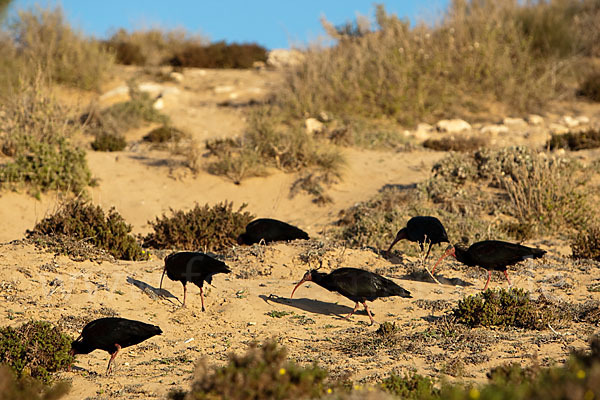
x: 152, y: 291
x: 313, y: 306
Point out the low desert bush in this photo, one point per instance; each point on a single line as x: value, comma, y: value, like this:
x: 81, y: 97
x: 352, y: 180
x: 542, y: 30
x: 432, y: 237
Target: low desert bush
x: 35, y: 132
x: 411, y: 387
x: 13, y: 388
x: 208, y: 228
x: 506, y: 308
x: 35, y: 349
x: 84, y: 221
x: 45, y: 41
x: 586, y: 243
x: 264, y: 372
x: 164, y: 134
x: 455, y: 144
x: 590, y: 86
x: 588, y: 139
x: 107, y: 141
x: 219, y: 55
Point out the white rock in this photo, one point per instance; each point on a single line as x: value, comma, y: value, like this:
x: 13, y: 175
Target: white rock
x: 313, y: 126
x: 583, y: 119
x: 453, y: 125
x: 234, y: 95
x: 569, y: 121
x: 534, y: 119
x: 494, y: 129
x: 176, y: 76
x: 514, y: 121
x: 281, y: 58
x: 159, y: 104
x: 121, y: 90
x: 558, y: 129
x: 223, y: 89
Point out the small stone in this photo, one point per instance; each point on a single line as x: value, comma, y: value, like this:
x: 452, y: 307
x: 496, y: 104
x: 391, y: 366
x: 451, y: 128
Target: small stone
x: 494, y: 129
x: 176, y: 76
x: 324, y: 117
x: 569, y: 121
x: 583, y: 119
x: 453, y: 125
x: 313, y: 126
x: 534, y: 119
x: 159, y: 104
x: 558, y: 129
x: 251, y: 323
x: 514, y: 121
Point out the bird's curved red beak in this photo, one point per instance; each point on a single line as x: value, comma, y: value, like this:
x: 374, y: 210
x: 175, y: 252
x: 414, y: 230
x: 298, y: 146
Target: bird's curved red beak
x: 297, y: 286
x: 449, y: 252
x: 401, y: 235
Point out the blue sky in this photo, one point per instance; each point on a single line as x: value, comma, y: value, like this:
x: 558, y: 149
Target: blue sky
x: 271, y: 23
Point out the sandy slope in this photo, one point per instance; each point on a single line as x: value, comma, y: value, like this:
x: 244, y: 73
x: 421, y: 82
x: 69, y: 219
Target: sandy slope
x: 142, y: 184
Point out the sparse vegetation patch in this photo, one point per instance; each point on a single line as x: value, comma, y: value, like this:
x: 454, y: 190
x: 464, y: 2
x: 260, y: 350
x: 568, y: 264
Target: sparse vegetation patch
x: 588, y: 139
x: 586, y: 243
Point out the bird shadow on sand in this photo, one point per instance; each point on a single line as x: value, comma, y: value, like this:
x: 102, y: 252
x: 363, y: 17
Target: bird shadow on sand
x: 313, y: 306
x: 152, y: 291
x: 423, y: 276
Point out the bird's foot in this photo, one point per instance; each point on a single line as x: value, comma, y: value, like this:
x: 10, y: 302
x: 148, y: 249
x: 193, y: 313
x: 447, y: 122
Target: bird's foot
x: 203, y: 309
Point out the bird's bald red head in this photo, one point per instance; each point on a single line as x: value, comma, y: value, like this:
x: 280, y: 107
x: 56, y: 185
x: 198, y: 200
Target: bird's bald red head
x: 306, y: 278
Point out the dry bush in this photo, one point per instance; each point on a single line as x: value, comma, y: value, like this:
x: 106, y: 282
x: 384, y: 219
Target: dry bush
x: 45, y: 40
x: 151, y: 47
x: 208, y: 228
x: 164, y: 134
x: 455, y: 144
x: 36, y: 132
x: 590, y: 86
x: 479, y: 53
x: 586, y: 244
x: 588, y: 139
x: 106, y: 141
x: 83, y: 221
x: 13, y: 388
x: 219, y: 55
x: 262, y: 373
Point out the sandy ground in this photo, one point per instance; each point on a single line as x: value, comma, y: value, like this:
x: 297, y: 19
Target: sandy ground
x: 142, y: 184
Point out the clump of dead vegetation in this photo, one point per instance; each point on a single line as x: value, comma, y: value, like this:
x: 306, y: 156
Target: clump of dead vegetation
x: 464, y: 144
x: 267, y: 143
x: 219, y: 55
x: 83, y: 221
x: 588, y: 139
x: 209, y: 228
x: 35, y: 349
x: 264, y: 372
x: 506, y: 308
x: 586, y: 244
x: 590, y: 86
x: 459, y: 66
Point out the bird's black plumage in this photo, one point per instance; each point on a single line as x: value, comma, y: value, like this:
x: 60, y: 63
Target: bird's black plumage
x: 422, y: 229
x: 111, y: 334
x: 356, y: 284
x: 195, y: 267
x: 492, y: 255
x: 270, y: 230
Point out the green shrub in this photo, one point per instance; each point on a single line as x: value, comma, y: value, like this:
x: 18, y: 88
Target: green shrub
x: 586, y: 244
x: 505, y: 308
x: 209, y: 228
x: 83, y: 221
x: 589, y: 139
x: 219, y: 55
x: 411, y: 387
x: 13, y: 388
x: 35, y: 349
x: 47, y: 43
x: 262, y: 373
x: 164, y: 134
x: 109, y: 142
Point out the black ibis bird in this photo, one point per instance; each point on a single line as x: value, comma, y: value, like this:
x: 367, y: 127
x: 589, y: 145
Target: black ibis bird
x: 491, y: 255
x: 422, y: 229
x: 195, y: 267
x: 111, y: 335
x: 356, y: 284
x: 270, y: 230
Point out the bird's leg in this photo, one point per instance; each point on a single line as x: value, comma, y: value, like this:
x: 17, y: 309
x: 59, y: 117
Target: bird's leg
x: 506, y: 275
x: 202, y: 298
x: 368, y: 312
x: 488, y: 281
x: 349, y: 315
x: 428, y: 250
x: 112, y: 357
x: 184, y: 294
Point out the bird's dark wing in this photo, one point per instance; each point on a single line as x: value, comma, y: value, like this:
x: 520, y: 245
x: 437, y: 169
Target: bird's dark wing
x: 357, y: 284
x: 424, y: 226
x: 499, y: 254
